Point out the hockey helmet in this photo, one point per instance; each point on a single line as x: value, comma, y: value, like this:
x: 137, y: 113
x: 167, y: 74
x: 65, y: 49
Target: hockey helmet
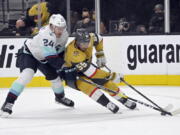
x: 57, y: 20
x: 158, y: 7
x: 82, y: 36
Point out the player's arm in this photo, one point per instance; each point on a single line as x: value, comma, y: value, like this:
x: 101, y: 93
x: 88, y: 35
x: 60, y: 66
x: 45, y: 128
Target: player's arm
x: 55, y: 61
x: 98, y: 43
x: 88, y: 69
x: 50, y: 53
x: 77, y: 59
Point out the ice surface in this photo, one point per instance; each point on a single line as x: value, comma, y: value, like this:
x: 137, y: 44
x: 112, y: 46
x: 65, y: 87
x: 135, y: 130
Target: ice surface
x: 36, y: 113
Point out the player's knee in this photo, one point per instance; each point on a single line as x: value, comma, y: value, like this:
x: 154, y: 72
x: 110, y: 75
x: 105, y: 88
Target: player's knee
x: 25, y: 76
x: 56, y: 83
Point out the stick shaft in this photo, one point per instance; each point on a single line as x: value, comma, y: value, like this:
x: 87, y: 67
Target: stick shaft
x: 158, y: 107
x: 142, y: 94
x: 136, y: 90
x: 135, y: 100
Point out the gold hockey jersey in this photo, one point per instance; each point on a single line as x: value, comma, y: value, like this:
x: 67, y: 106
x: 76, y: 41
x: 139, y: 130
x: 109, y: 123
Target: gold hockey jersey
x: 74, y: 55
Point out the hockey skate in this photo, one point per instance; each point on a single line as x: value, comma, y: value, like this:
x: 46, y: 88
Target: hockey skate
x: 65, y: 101
x: 112, y: 107
x: 122, y: 98
x: 129, y: 104
x: 6, y: 109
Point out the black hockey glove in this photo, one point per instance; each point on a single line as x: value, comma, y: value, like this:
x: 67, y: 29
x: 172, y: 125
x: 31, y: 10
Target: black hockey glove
x: 68, y: 73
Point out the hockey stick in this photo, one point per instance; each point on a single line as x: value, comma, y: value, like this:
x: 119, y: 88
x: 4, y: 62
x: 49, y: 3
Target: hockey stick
x: 163, y: 111
x: 139, y: 92
x: 160, y: 108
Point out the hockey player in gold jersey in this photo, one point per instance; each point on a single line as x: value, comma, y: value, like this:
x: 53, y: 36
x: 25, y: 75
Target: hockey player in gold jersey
x: 78, y: 62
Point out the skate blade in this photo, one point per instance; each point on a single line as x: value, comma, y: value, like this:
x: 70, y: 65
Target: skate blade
x: 4, y: 114
x: 64, y: 105
x: 176, y: 112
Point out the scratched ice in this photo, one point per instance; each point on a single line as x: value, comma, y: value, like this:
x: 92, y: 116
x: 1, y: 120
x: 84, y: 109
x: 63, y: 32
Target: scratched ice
x: 36, y: 113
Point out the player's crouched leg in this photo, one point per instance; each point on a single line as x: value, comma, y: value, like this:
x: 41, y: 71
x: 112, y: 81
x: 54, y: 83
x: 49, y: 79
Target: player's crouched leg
x: 60, y: 98
x: 120, y: 96
x: 99, y: 97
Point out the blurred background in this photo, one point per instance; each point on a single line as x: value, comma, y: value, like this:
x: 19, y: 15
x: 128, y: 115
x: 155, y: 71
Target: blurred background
x: 106, y: 17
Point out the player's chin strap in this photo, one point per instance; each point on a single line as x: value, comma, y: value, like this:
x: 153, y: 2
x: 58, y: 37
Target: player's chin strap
x: 158, y: 108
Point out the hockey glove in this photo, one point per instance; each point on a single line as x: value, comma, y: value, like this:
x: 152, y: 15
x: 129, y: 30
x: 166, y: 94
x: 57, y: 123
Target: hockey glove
x: 101, y: 60
x: 67, y: 73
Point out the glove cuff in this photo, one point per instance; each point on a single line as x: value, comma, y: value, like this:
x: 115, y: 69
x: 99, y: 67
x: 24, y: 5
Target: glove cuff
x: 116, y: 77
x: 99, y: 54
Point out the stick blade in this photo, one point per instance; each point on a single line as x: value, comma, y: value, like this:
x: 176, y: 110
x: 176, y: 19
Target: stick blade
x: 168, y: 107
x: 176, y: 112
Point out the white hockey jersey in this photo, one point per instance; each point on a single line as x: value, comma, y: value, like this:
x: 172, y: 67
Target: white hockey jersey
x: 46, y: 44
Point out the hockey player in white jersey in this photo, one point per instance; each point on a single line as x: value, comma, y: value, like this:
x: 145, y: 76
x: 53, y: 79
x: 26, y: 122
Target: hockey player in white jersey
x: 45, y: 52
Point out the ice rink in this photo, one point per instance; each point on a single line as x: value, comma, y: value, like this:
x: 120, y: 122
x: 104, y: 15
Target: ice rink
x: 36, y: 113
